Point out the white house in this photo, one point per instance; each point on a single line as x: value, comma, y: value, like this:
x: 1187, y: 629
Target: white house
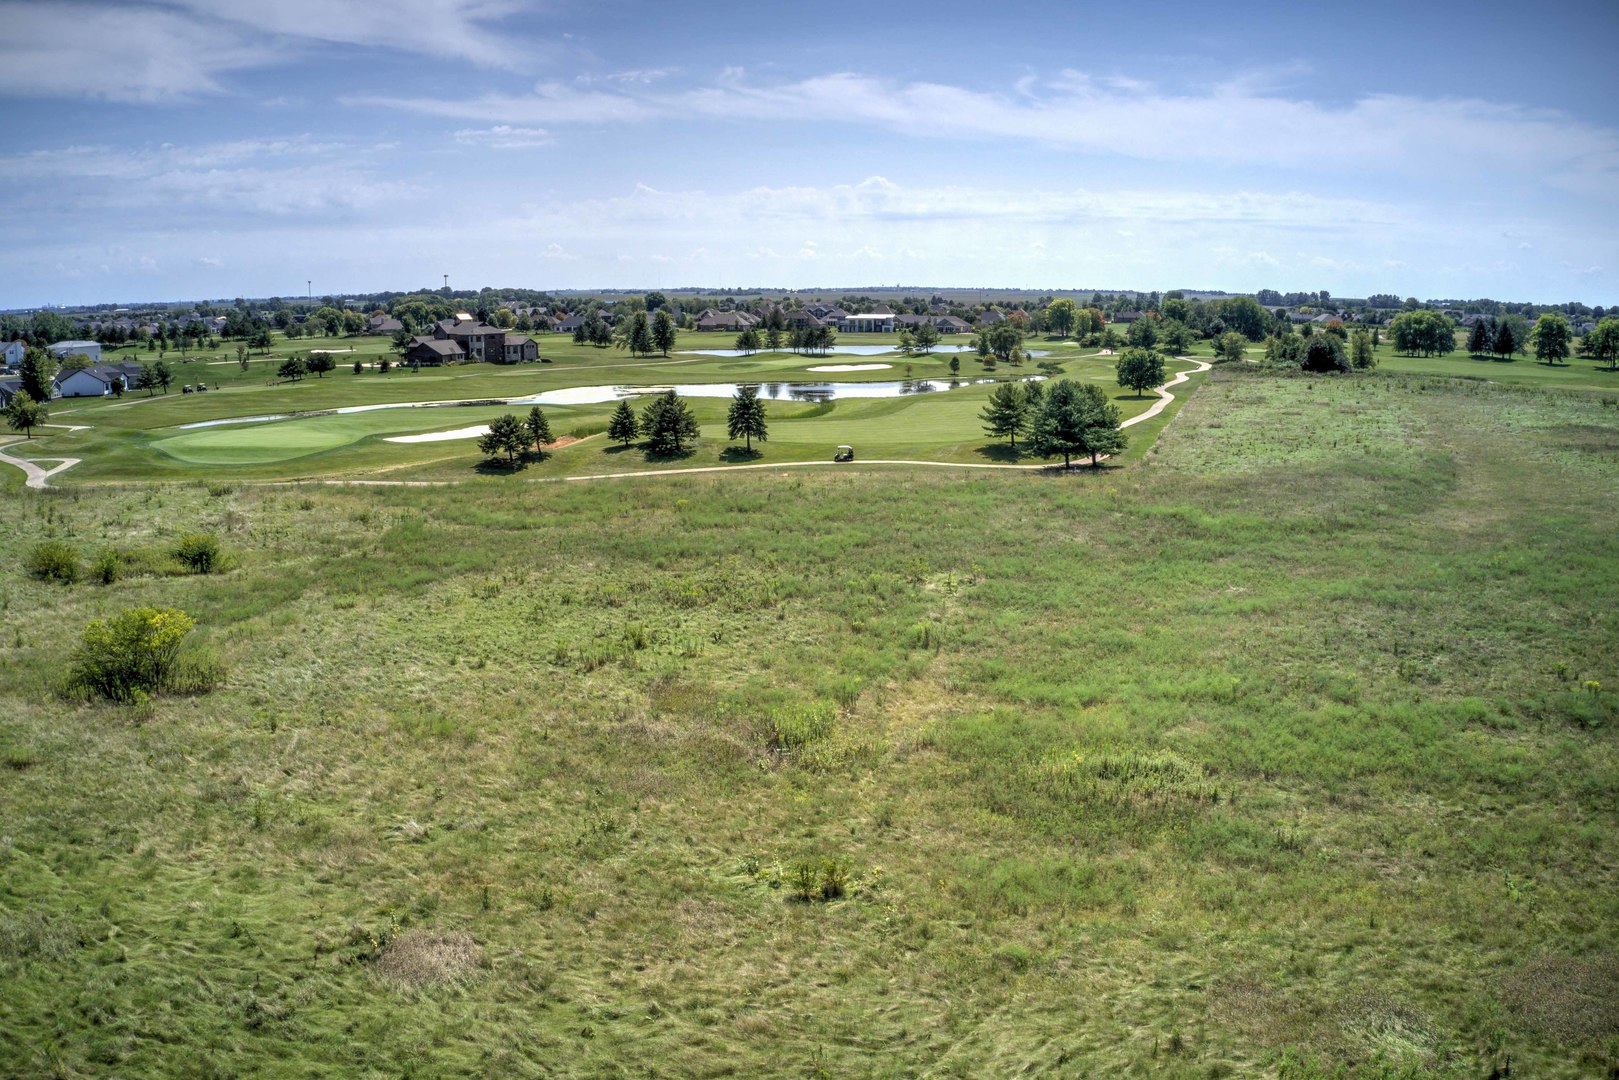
x: 11, y: 353
x: 89, y: 349
x: 96, y: 380
x: 874, y: 323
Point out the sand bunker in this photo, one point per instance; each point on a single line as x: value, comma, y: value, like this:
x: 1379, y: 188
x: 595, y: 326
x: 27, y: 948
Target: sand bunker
x: 850, y: 367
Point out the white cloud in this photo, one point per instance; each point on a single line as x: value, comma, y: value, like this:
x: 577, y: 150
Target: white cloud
x: 173, y: 50
x: 504, y: 137
x: 1242, y: 122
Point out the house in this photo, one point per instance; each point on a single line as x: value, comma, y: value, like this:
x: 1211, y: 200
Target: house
x: 801, y: 319
x: 990, y: 317
x: 96, y: 380
x: 9, y: 388
x: 1127, y: 316
x: 711, y: 320
x: 11, y: 353
x: 90, y: 349
x: 869, y: 323
x: 433, y: 352
x: 950, y: 324
x: 482, y: 342
x: 383, y: 324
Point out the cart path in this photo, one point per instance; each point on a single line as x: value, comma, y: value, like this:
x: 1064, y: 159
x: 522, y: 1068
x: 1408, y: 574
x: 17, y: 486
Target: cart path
x: 40, y: 477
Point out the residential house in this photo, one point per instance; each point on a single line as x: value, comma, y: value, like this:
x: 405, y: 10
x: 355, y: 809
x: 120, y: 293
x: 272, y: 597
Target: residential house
x: 11, y: 353
x: 482, y: 342
x: 89, y: 349
x: 794, y: 319
x: 9, y: 388
x: 96, y: 380
x: 383, y: 324
x: 711, y: 320
x: 870, y: 323
x: 433, y: 352
x: 1127, y: 316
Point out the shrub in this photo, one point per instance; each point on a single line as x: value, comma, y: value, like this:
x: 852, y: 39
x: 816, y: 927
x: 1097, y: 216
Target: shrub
x: 106, y: 569
x: 54, y: 562
x: 199, y: 552
x: 138, y: 653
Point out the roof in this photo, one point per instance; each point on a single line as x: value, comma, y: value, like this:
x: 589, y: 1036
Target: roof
x: 105, y: 372
x: 74, y: 345
x: 874, y: 315
x: 442, y: 346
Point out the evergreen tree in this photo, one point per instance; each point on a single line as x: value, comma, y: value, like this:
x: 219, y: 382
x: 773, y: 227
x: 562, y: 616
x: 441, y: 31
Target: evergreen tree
x: 622, y: 428
x: 1076, y: 419
x: 926, y: 336
x: 538, y: 430
x: 505, y: 436
x: 162, y: 375
x: 1480, y: 339
x: 640, y: 336
x: 667, y: 424
x: 1505, y: 343
x: 746, y: 417
x: 1006, y: 415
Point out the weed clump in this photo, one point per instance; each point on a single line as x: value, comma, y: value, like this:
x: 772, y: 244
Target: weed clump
x: 818, y: 880
x: 198, y: 552
x: 138, y: 653
x: 54, y: 561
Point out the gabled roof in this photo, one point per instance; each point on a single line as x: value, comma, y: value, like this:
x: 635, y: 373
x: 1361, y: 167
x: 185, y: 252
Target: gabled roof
x: 104, y: 372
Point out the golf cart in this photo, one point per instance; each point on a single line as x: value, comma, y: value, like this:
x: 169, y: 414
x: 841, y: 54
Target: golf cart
x: 845, y: 453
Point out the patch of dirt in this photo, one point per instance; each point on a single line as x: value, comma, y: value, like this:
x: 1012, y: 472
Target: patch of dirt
x: 422, y: 958
x: 566, y: 440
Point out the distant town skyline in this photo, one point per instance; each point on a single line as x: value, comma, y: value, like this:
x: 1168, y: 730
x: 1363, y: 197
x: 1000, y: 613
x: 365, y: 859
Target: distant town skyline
x: 206, y: 148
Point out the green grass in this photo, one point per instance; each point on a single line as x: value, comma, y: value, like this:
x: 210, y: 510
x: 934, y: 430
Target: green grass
x: 1272, y: 755
x: 141, y: 436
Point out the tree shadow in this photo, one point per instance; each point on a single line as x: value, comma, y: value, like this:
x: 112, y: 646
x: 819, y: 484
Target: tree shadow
x: 669, y: 457
x: 1000, y: 452
x: 499, y: 468
x: 1133, y: 397
x: 618, y: 448
x: 733, y: 454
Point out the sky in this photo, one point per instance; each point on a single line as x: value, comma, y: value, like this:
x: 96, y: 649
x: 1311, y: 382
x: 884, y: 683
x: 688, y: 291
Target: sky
x: 183, y: 149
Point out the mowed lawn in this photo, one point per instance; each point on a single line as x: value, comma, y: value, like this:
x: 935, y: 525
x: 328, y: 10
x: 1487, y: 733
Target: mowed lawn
x: 144, y: 435
x: 1287, y: 751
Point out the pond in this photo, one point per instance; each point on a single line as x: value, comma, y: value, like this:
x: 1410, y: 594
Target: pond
x: 596, y: 395
x: 845, y: 350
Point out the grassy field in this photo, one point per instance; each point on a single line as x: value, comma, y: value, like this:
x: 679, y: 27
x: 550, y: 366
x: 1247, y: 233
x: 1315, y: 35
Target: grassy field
x: 141, y: 436
x: 1274, y: 754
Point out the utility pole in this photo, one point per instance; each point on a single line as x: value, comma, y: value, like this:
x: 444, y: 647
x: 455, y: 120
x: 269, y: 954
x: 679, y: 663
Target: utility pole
x: 309, y: 290
x: 446, y: 282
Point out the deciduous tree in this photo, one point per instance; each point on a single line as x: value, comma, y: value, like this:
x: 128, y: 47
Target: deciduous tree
x: 1552, y: 336
x: 663, y: 329
x: 1602, y: 344
x: 1229, y: 348
x: 1140, y: 369
x: 25, y: 414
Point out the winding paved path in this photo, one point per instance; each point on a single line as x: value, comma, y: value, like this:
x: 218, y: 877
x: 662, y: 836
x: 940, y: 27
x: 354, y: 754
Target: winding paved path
x: 37, y: 477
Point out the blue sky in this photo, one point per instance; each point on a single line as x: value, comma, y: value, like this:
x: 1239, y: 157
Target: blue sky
x: 188, y: 148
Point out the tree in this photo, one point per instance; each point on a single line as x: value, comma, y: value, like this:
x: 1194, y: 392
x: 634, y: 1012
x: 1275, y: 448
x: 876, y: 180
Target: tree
x: 906, y: 344
x: 1174, y: 337
x: 401, y: 340
x: 1143, y: 332
x: 320, y: 363
x: 1506, y: 343
x: 663, y: 329
x: 622, y: 428
x: 505, y: 436
x: 641, y: 335
x: 667, y: 424
x: 1006, y: 415
x: 162, y: 374
x: 748, y: 341
x: 1229, y: 348
x: 1245, y: 315
x: 146, y: 380
x: 538, y: 431
x: 926, y: 337
x: 1603, y: 343
x: 1060, y: 316
x: 1361, y: 355
x: 1480, y: 339
x: 292, y: 368
x: 1140, y: 369
x: 746, y: 417
x: 25, y: 414
x: 1551, y: 336
x: 1423, y: 332
x: 37, y: 370
x: 655, y: 301
x: 1075, y: 419
x: 1324, y: 352
x: 260, y: 339
x: 955, y: 365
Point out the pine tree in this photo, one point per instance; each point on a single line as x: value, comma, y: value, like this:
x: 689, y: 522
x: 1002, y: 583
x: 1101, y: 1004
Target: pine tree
x: 746, y: 417
x: 505, y: 436
x: 1479, y: 340
x: 622, y: 428
x: 1505, y: 343
x: 538, y: 430
x: 1076, y: 419
x: 667, y: 424
x: 663, y: 332
x: 1006, y: 415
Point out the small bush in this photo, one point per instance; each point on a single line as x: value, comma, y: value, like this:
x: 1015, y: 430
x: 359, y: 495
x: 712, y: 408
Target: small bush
x: 199, y: 552
x: 137, y: 653
x: 106, y: 569
x: 822, y: 880
x: 54, y: 561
